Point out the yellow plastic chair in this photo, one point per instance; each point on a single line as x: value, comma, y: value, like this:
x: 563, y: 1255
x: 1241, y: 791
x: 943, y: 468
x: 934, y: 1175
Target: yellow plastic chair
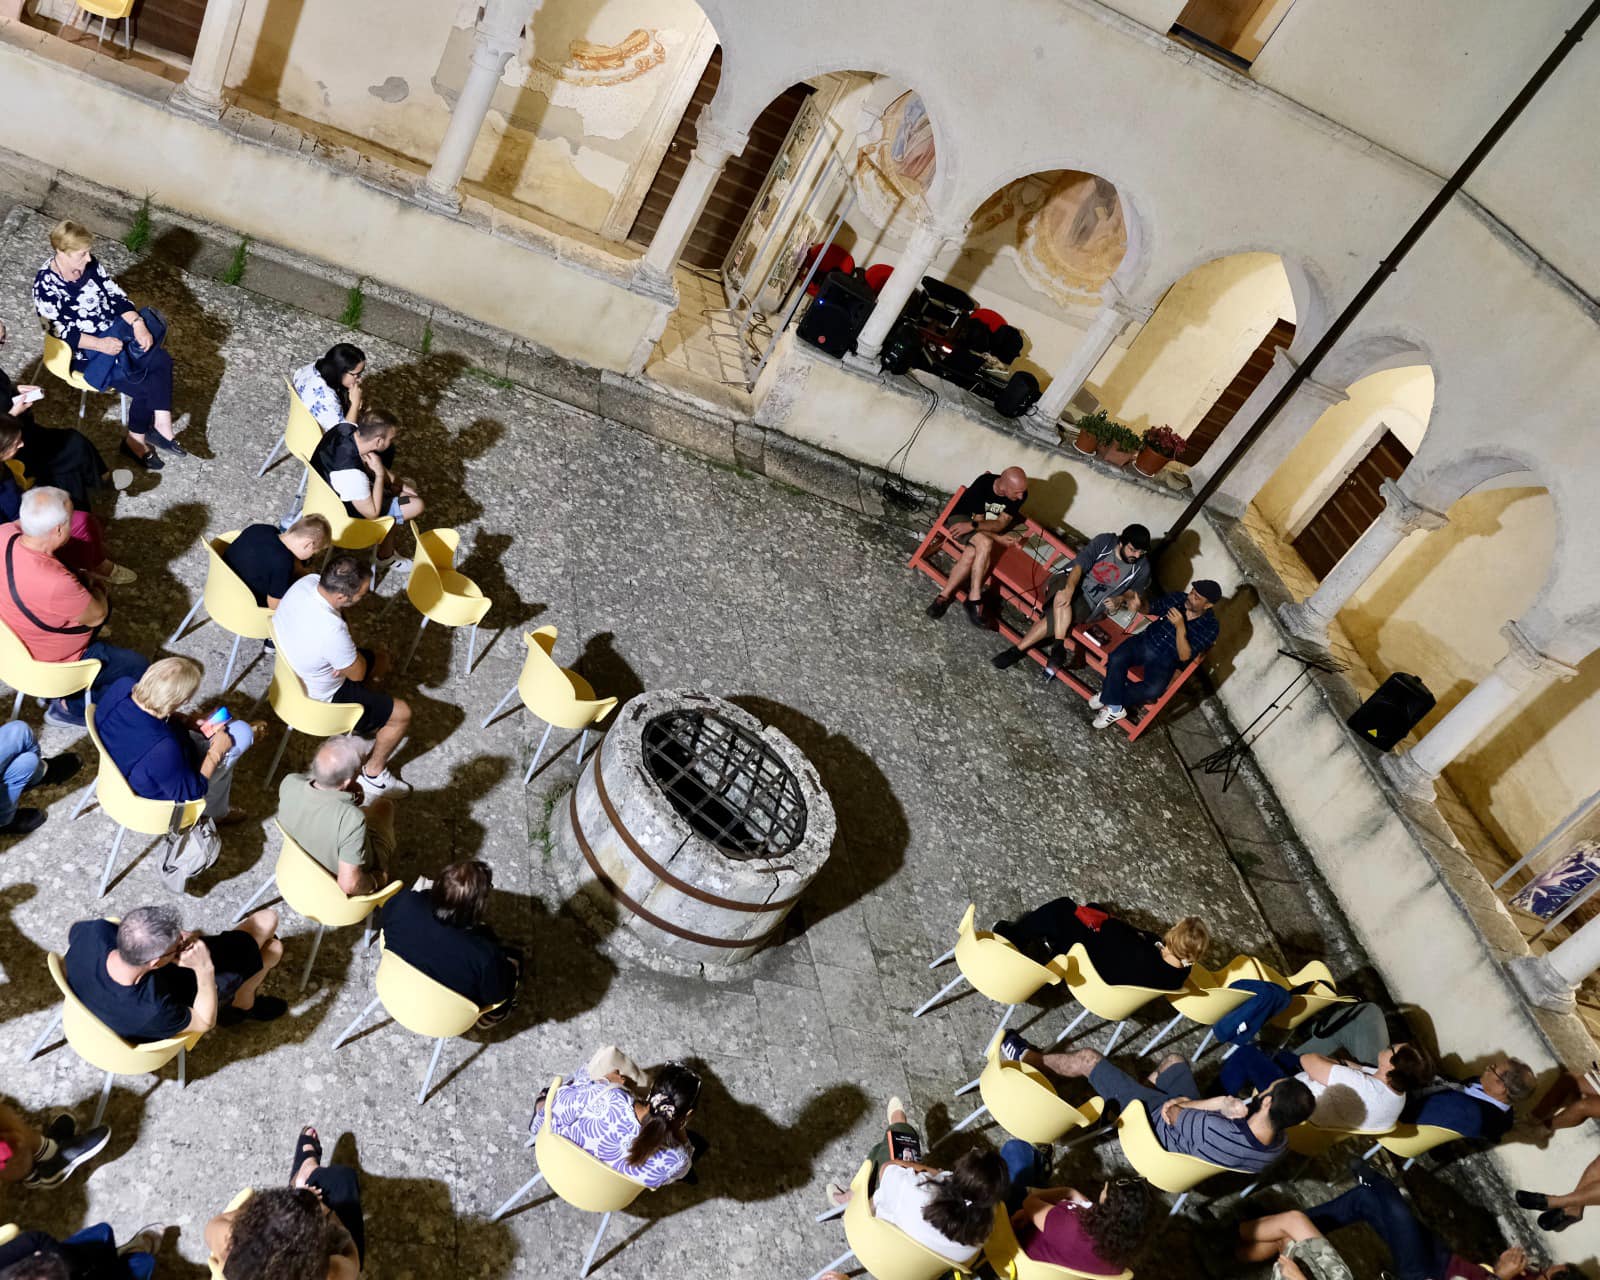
x: 1011, y: 1262
x: 9, y: 1232
x: 350, y: 533
x: 1168, y: 1170
x: 230, y: 604
x: 129, y: 811
x: 994, y: 968
x: 307, y: 886
x: 1408, y: 1141
x: 1101, y: 998
x: 582, y: 1180
x: 212, y: 1261
x: 300, y: 436
x: 57, y: 360
x: 35, y: 679
x: 107, y: 11
x: 439, y: 593
x: 420, y: 1005
x: 1207, y: 998
x: 887, y: 1252
x: 299, y: 711
x: 1025, y: 1103
x: 554, y: 694
x: 1315, y: 1140
x: 1310, y: 1003
x: 102, y: 1047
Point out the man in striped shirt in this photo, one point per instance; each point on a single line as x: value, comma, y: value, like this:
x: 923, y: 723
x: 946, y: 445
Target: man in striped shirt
x: 1238, y: 1135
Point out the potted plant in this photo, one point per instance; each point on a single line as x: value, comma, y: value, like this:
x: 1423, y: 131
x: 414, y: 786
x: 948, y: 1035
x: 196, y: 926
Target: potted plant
x: 1159, y: 447
x: 1090, y: 428
x: 1119, y: 444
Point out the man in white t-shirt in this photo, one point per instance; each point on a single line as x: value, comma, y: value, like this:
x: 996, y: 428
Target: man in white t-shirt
x: 315, y: 641
x: 1349, y: 1094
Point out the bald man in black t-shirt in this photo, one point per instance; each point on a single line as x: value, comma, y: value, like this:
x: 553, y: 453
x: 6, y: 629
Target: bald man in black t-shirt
x: 990, y: 510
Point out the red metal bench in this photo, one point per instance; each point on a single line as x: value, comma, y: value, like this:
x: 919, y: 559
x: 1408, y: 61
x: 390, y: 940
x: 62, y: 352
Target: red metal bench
x: 1020, y: 573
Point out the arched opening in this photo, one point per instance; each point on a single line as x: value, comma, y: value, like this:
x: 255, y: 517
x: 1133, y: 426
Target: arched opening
x: 1209, y: 343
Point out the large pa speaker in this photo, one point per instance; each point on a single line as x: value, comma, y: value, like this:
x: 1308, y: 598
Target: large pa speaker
x: 836, y: 314
x: 1392, y: 712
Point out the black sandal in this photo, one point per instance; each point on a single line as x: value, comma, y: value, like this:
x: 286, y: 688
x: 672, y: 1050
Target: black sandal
x: 306, y: 1144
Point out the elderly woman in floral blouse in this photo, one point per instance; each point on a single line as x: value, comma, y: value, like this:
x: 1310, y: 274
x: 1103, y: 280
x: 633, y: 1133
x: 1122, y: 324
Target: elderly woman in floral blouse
x: 82, y: 305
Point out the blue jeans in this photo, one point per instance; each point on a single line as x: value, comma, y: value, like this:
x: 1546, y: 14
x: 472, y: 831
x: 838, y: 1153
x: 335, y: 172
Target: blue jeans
x: 1025, y: 1168
x: 95, y: 1247
x: 1417, y: 1252
x: 115, y: 663
x: 1158, y: 663
x: 20, y: 766
x: 1248, y: 1065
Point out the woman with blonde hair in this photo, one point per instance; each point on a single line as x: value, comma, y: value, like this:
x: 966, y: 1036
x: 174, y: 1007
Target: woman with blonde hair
x: 163, y: 753
x: 1122, y: 954
x: 90, y: 312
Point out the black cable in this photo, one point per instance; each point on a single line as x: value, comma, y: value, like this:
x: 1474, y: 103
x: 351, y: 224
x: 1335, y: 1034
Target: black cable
x: 895, y: 489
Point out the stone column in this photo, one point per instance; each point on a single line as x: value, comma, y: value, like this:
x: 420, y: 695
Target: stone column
x: 1550, y: 980
x: 1310, y: 402
x: 1400, y: 516
x: 495, y: 41
x: 714, y: 145
x: 1515, y: 678
x: 1114, y: 315
x: 200, y: 94
x: 928, y: 240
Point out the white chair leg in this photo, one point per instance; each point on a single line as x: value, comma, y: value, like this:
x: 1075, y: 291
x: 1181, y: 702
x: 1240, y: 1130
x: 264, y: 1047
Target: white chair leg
x: 433, y: 1065
x: 360, y: 1018
x: 187, y: 619
x: 835, y: 1264
x: 472, y: 647
x: 122, y: 404
x: 980, y: 1111
x: 1411, y: 1161
x: 105, y: 1097
x: 1070, y: 1027
x: 111, y: 858
x: 44, y: 1036
x: 1245, y: 1194
x: 311, y: 959
x: 946, y: 958
x: 183, y: 1067
x: 16, y: 705
x: 412, y: 651
x: 272, y: 456
x: 1116, y: 1034
x: 83, y: 403
x: 1228, y: 1052
x: 83, y: 802
x: 583, y: 742
x: 829, y: 1214
x: 1161, y: 1035
x: 233, y: 657
x: 510, y: 693
x: 1179, y: 1205
x: 594, y: 1248
x: 943, y: 992
x: 277, y: 757
x: 534, y: 763
x: 1372, y: 1151
x: 968, y: 1087
x: 1000, y: 1030
x: 1204, y: 1041
x: 250, y: 902
x: 521, y: 1191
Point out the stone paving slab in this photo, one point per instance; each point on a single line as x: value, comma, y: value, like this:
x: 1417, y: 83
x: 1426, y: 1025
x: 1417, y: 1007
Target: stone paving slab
x: 953, y: 784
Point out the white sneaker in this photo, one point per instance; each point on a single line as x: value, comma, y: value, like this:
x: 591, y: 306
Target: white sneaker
x: 1094, y: 703
x: 1108, y: 716
x: 385, y: 784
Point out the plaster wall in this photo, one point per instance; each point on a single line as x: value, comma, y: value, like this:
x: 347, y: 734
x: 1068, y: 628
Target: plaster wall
x: 1398, y: 400
x: 580, y: 122
x: 1194, y: 343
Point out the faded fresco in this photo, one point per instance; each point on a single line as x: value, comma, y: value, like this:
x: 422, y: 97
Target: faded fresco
x: 895, y: 160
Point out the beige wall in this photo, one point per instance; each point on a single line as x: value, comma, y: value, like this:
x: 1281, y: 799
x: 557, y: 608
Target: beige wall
x: 1195, y: 342
x: 578, y: 133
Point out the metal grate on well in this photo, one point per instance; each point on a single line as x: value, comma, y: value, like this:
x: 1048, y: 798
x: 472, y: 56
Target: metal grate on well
x: 726, y: 782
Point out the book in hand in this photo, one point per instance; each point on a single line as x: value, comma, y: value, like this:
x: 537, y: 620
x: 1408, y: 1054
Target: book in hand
x: 905, y: 1146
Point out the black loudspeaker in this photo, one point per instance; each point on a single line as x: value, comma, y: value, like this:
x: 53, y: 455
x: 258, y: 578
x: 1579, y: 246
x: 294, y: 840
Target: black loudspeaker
x: 1392, y: 712
x: 837, y: 313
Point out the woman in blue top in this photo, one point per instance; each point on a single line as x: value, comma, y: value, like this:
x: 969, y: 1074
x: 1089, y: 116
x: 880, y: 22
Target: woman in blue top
x: 82, y: 306
x: 164, y: 755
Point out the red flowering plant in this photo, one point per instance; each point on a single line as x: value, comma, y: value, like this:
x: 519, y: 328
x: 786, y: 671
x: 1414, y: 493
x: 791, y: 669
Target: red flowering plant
x: 1165, y: 441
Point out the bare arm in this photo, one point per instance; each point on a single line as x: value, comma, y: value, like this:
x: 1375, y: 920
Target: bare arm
x: 219, y: 1235
x: 203, y: 1014
x: 372, y: 506
x: 353, y: 880
x: 1317, y: 1066
x: 357, y: 670
x: 94, y: 613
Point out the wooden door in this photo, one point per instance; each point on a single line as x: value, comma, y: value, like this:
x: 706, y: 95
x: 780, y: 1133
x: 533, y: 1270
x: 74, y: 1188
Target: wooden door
x: 1355, y: 504
x: 170, y: 24
x: 741, y: 182
x: 1236, y: 392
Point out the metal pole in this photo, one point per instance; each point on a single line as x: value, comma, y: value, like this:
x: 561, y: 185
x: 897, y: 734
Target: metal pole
x: 1386, y: 268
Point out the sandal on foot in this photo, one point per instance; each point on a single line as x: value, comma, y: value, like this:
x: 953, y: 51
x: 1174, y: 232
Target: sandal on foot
x: 306, y: 1143
x: 1532, y: 1199
x: 1555, y: 1220
x: 835, y: 1195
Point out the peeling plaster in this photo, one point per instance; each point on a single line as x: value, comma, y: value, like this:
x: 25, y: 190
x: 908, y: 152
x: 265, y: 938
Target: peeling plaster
x: 394, y: 89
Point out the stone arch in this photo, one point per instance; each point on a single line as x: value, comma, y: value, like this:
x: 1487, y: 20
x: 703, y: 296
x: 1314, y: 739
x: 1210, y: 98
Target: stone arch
x: 1308, y: 286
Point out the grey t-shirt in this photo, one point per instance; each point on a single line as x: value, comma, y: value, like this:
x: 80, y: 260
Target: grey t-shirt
x: 1106, y: 573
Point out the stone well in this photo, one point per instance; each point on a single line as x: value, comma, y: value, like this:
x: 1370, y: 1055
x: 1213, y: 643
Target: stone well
x: 692, y: 832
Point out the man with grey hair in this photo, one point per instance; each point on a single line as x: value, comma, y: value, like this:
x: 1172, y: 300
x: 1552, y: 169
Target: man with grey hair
x: 148, y: 979
x: 327, y: 813
x: 1484, y: 1108
x: 52, y: 610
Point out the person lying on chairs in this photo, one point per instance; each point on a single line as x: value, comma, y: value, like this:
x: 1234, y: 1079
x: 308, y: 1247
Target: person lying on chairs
x: 1349, y: 1095
x: 989, y: 511
x: 1183, y: 626
x: 1122, y: 954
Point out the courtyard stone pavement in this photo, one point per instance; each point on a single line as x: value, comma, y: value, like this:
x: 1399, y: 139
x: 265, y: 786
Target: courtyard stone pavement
x: 953, y: 784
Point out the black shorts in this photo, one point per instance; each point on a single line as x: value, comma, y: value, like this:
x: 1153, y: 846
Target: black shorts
x: 236, y: 959
x: 376, y: 705
x: 1080, y: 606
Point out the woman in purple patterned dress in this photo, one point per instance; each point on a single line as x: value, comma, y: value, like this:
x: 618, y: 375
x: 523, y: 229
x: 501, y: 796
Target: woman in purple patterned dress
x: 646, y: 1140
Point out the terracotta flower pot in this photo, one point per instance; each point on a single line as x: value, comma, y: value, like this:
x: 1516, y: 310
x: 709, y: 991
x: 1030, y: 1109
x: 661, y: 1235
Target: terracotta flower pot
x: 1116, y: 457
x: 1149, y: 462
x: 1086, y: 442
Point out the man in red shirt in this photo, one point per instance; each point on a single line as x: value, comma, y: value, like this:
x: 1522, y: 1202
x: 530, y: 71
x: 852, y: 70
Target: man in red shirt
x: 49, y: 607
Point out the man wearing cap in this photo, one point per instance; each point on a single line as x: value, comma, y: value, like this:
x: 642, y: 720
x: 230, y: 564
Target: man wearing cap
x: 1183, y: 626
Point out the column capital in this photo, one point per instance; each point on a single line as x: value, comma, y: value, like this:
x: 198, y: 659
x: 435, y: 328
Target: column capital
x: 939, y: 230
x: 714, y: 142
x: 1530, y: 658
x: 1114, y: 301
x: 1405, y: 513
x: 492, y: 50
x: 1284, y: 364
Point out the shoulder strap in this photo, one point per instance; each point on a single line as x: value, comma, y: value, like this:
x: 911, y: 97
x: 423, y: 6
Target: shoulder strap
x: 77, y: 629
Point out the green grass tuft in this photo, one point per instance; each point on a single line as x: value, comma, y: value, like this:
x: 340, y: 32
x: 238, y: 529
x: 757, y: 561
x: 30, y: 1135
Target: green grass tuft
x: 493, y: 379
x: 543, y: 836
x: 139, y: 233
x: 355, y: 302
x: 235, y: 272
x: 427, y: 337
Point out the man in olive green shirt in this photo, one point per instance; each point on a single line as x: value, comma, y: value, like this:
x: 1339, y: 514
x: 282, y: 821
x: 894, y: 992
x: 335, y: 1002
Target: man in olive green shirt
x: 323, y: 812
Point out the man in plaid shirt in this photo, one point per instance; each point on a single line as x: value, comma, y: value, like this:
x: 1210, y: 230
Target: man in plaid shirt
x: 1184, y: 626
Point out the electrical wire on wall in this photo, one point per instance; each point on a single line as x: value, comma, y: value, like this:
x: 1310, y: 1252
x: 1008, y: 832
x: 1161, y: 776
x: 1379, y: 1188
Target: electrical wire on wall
x: 896, y: 489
